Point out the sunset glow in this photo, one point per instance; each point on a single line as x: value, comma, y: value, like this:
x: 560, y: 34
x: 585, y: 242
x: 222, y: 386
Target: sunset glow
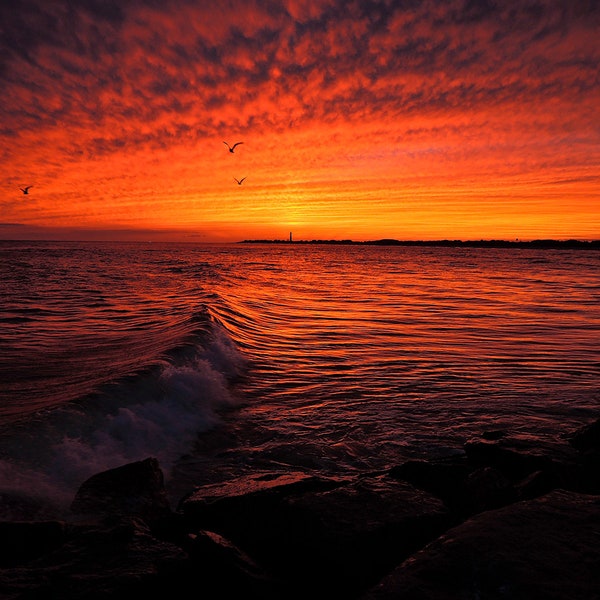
x: 359, y: 120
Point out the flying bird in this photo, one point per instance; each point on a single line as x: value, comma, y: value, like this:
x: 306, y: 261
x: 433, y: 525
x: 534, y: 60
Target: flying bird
x: 232, y: 148
x: 25, y: 190
x: 239, y: 181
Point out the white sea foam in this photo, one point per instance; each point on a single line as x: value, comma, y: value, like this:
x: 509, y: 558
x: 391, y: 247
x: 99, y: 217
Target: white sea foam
x: 157, y: 414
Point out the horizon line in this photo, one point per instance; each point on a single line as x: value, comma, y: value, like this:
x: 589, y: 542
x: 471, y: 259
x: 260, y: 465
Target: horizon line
x: 538, y: 242
x: 377, y: 241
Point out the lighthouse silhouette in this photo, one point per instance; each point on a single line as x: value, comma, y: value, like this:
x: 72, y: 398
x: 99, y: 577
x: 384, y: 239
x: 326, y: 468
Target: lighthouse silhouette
x: 290, y: 237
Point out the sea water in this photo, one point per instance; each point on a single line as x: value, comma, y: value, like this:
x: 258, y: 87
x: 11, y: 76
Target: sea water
x: 223, y: 360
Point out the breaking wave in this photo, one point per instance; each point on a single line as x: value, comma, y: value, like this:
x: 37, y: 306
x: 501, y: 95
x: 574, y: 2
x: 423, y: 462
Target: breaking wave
x: 156, y: 412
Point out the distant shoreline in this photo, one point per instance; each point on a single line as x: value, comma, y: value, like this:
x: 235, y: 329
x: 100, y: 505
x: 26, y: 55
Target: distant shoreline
x: 538, y: 244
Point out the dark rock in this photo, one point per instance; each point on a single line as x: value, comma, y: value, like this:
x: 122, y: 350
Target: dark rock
x: 499, y: 469
x: 517, y: 459
x: 117, y: 561
x: 514, y: 463
x: 494, y: 434
x: 235, y: 506
x: 587, y: 442
x: 587, y: 437
x: 328, y: 537
x: 545, y: 548
x: 259, y: 485
x: 488, y: 488
x: 24, y: 541
x: 252, y: 509
x: 135, y: 489
x: 444, y: 479
x: 229, y: 569
x: 535, y: 484
x: 464, y: 488
x: 290, y: 535
x: 17, y: 507
x: 119, y: 558
x: 352, y: 534
x: 589, y: 477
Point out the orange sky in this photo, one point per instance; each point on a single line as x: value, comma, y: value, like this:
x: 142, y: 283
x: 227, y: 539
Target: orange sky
x: 455, y: 119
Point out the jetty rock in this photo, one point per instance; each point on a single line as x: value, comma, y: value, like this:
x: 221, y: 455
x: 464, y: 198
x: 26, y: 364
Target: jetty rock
x: 135, y: 489
x: 544, y: 549
x: 328, y: 537
x: 508, y: 517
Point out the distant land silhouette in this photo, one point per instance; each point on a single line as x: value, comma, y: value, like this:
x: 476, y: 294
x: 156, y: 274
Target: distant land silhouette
x: 545, y: 244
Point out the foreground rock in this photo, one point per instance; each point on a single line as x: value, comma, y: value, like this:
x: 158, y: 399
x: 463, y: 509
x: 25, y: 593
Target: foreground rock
x: 503, y: 520
x: 136, y: 489
x: 108, y: 560
x: 326, y: 536
x: 125, y: 543
x: 546, y: 548
x: 498, y: 469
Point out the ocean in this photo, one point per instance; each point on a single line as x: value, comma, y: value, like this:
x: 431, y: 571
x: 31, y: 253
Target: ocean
x: 227, y: 359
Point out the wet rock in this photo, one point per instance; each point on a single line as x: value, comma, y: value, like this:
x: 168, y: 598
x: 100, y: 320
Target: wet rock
x: 464, y: 488
x: 494, y: 434
x: 120, y: 558
x: 586, y: 438
x: 353, y: 534
x: 18, y: 507
x: 238, y: 506
x: 253, y: 511
x: 535, y: 484
x: 562, y: 466
x: 445, y: 479
x: 135, y: 489
x: 498, y: 469
x: 543, y: 548
x: 513, y: 462
x: 230, y: 569
x: 331, y: 536
x: 26, y: 540
x: 117, y: 560
x: 426, y: 529
x: 258, y: 485
x: 488, y: 488
x: 587, y: 442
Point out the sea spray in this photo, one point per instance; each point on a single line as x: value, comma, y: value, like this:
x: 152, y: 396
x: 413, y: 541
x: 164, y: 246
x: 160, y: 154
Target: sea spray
x: 157, y: 413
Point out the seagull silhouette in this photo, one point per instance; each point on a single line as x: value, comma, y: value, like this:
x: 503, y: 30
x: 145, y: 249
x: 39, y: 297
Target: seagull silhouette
x: 232, y: 148
x: 239, y: 181
x: 25, y: 190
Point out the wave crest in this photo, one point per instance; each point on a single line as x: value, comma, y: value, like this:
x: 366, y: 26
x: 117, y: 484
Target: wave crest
x: 158, y: 413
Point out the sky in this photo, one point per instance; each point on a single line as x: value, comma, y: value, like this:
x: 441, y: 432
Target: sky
x: 360, y: 119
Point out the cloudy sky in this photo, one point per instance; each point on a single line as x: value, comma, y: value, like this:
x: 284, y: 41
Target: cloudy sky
x: 360, y: 119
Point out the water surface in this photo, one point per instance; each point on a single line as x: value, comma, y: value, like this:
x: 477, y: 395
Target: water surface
x: 227, y: 359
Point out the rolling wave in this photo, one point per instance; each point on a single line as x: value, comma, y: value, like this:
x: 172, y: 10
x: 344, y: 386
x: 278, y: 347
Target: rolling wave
x: 157, y: 411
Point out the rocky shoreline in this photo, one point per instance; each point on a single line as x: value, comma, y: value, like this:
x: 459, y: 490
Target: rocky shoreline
x: 501, y: 520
